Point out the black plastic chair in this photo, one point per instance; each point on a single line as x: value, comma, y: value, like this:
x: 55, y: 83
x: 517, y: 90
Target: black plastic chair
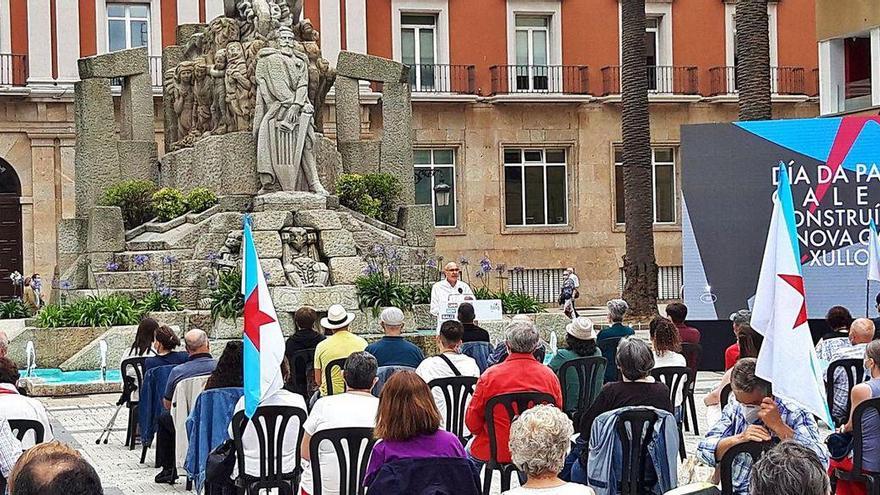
x: 854, y: 369
x: 20, y: 427
x: 725, y: 395
x: 693, y: 354
x: 635, y: 428
x: 353, y: 448
x: 328, y: 374
x: 753, y: 449
x: 514, y: 404
x: 137, y: 365
x: 609, y: 352
x: 677, y: 378
x: 302, y: 370
x: 456, y: 391
x: 871, y: 480
x: 590, y: 373
x: 384, y: 373
x: 270, y: 424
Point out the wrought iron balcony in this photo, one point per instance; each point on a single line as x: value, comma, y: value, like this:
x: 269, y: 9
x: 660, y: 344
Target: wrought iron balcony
x: 13, y: 69
x: 443, y: 78
x: 662, y: 79
x: 783, y: 81
x: 540, y: 79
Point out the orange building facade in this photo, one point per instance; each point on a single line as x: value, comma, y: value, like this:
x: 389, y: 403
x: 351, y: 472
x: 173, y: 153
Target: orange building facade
x: 516, y: 108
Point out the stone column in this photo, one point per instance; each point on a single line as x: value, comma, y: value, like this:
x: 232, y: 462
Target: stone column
x: 68, y: 171
x: 137, y: 108
x: 97, y: 158
x: 44, y: 215
x: 397, y: 140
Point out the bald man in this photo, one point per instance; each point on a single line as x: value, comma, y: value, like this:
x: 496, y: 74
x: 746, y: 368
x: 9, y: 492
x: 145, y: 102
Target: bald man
x: 861, y: 333
x: 450, y: 285
x: 199, y: 363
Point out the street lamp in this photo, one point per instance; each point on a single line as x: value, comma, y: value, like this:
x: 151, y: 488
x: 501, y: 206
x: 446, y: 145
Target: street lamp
x: 442, y: 193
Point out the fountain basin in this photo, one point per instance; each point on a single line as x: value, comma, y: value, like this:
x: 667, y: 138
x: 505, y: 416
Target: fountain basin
x: 53, y: 382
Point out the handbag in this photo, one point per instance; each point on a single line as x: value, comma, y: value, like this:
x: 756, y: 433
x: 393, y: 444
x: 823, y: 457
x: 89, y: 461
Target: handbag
x: 220, y: 464
x: 839, y: 445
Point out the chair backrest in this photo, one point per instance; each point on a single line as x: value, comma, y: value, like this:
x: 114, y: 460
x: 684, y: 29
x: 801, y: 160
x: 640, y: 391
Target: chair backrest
x: 514, y: 404
x: 635, y: 428
x: 479, y: 352
x: 858, y: 417
x: 609, y: 352
x: 677, y: 378
x: 135, y: 364
x: 854, y: 370
x: 456, y: 390
x: 725, y: 395
x: 353, y: 447
x: 20, y: 427
x: 753, y: 449
x: 328, y: 374
x: 270, y: 424
x: 590, y: 373
x: 692, y: 353
x: 302, y: 365
x: 384, y: 373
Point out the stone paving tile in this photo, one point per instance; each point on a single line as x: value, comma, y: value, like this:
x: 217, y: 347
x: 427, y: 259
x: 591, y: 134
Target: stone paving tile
x: 79, y: 420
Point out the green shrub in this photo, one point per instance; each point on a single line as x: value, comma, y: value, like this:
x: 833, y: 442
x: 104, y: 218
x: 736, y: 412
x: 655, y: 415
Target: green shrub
x: 101, y: 311
x: 421, y: 294
x: 484, y: 293
x: 514, y: 303
x: 200, y: 199
x: 134, y: 197
x: 226, y: 298
x: 374, y: 195
x: 13, y: 308
x: 169, y: 203
x: 377, y: 291
x: 51, y: 316
x: 159, y: 300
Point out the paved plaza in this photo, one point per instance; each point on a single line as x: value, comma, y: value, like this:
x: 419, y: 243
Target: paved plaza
x: 79, y: 420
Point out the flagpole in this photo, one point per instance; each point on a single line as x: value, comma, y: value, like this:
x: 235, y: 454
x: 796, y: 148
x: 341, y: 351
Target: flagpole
x: 867, y: 296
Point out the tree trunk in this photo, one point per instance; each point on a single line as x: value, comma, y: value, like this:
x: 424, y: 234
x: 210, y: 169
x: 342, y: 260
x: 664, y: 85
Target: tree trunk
x: 639, y: 263
x: 753, y: 60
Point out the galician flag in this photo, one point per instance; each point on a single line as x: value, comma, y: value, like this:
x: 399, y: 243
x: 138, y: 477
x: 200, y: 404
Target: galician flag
x: 263, y: 340
x: 873, y: 254
x: 787, y: 358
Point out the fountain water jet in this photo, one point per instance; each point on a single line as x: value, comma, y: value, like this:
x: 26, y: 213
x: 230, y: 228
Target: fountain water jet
x: 31, y: 357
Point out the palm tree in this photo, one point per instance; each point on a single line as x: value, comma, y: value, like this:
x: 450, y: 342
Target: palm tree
x: 753, y: 60
x: 639, y: 263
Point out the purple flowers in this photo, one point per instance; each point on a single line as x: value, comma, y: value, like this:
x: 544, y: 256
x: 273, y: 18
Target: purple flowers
x: 267, y: 275
x: 112, y: 266
x: 169, y: 260
x: 485, y: 264
x: 432, y: 263
x: 64, y: 285
x: 463, y: 261
x: 141, y: 259
x: 213, y: 256
x: 166, y: 291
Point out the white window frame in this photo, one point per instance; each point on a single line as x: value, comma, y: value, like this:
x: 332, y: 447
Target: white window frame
x: 417, y: 29
x: 454, y: 198
x: 662, y: 11
x: 654, y: 163
x: 437, y: 8
x: 552, y: 9
x: 730, y: 34
x: 154, y: 45
x: 543, y: 164
x: 532, y: 70
x: 128, y: 20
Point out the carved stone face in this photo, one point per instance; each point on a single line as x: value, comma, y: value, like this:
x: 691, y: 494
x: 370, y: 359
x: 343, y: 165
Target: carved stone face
x: 286, y: 40
x: 298, y: 239
x: 220, y: 59
x: 275, y: 11
x: 224, y: 30
x: 307, y: 31
x: 200, y: 68
x: 185, y: 72
x: 234, y: 52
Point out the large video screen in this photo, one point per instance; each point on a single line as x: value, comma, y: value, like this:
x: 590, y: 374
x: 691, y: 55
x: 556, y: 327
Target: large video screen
x: 728, y: 175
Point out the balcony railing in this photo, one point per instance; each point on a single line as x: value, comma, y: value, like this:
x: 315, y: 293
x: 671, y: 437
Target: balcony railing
x: 783, y: 81
x: 13, y: 69
x: 443, y: 78
x: 665, y: 79
x: 155, y: 73
x: 546, y: 79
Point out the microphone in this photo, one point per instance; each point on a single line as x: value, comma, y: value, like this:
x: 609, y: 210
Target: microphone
x: 460, y: 290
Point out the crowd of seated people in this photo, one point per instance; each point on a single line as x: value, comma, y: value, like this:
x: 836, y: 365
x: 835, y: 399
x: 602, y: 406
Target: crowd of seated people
x: 551, y: 452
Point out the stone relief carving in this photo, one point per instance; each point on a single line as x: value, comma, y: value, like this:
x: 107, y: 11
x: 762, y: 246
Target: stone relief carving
x: 300, y: 259
x: 183, y: 98
x: 230, y: 253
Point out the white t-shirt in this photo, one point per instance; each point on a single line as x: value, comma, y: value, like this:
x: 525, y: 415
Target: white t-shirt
x: 669, y: 359
x: 575, y: 280
x: 16, y: 406
x: 441, y: 291
x: 566, y: 489
x: 251, y: 443
x: 435, y: 367
x: 347, y: 410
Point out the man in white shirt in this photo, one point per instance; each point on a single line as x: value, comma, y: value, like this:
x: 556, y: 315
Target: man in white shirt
x: 451, y: 285
x: 355, y: 408
x: 574, y: 278
x: 447, y: 364
x: 16, y: 406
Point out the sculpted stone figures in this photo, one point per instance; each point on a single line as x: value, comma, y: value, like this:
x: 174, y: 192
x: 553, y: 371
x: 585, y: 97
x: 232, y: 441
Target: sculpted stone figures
x: 238, y: 84
x: 203, y: 91
x: 219, y: 113
x: 321, y: 75
x: 299, y: 259
x: 183, y: 98
x: 283, y: 120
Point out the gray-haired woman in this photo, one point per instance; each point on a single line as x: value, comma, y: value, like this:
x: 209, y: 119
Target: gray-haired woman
x: 539, y: 440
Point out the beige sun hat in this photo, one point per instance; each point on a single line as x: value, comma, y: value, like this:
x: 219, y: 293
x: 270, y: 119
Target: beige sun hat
x: 337, y: 317
x: 581, y: 328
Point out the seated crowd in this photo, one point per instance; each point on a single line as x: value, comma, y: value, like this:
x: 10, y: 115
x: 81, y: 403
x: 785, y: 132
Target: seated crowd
x: 421, y: 423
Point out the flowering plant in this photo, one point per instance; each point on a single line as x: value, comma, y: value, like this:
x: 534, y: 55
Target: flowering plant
x: 380, y: 285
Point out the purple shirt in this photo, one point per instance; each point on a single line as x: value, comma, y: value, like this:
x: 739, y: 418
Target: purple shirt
x: 438, y: 444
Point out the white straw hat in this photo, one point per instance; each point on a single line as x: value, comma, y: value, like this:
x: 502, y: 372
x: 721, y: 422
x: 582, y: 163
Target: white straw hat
x: 337, y: 317
x: 581, y: 328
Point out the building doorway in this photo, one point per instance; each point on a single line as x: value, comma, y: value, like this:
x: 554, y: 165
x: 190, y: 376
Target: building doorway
x: 11, y: 259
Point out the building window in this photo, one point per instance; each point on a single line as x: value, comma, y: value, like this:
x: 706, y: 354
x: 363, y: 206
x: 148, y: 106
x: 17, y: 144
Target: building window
x: 857, y: 72
x: 535, y: 187
x: 532, y: 52
x: 652, y: 50
x: 128, y: 26
x: 418, y: 48
x: 435, y: 177
x: 663, y: 161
